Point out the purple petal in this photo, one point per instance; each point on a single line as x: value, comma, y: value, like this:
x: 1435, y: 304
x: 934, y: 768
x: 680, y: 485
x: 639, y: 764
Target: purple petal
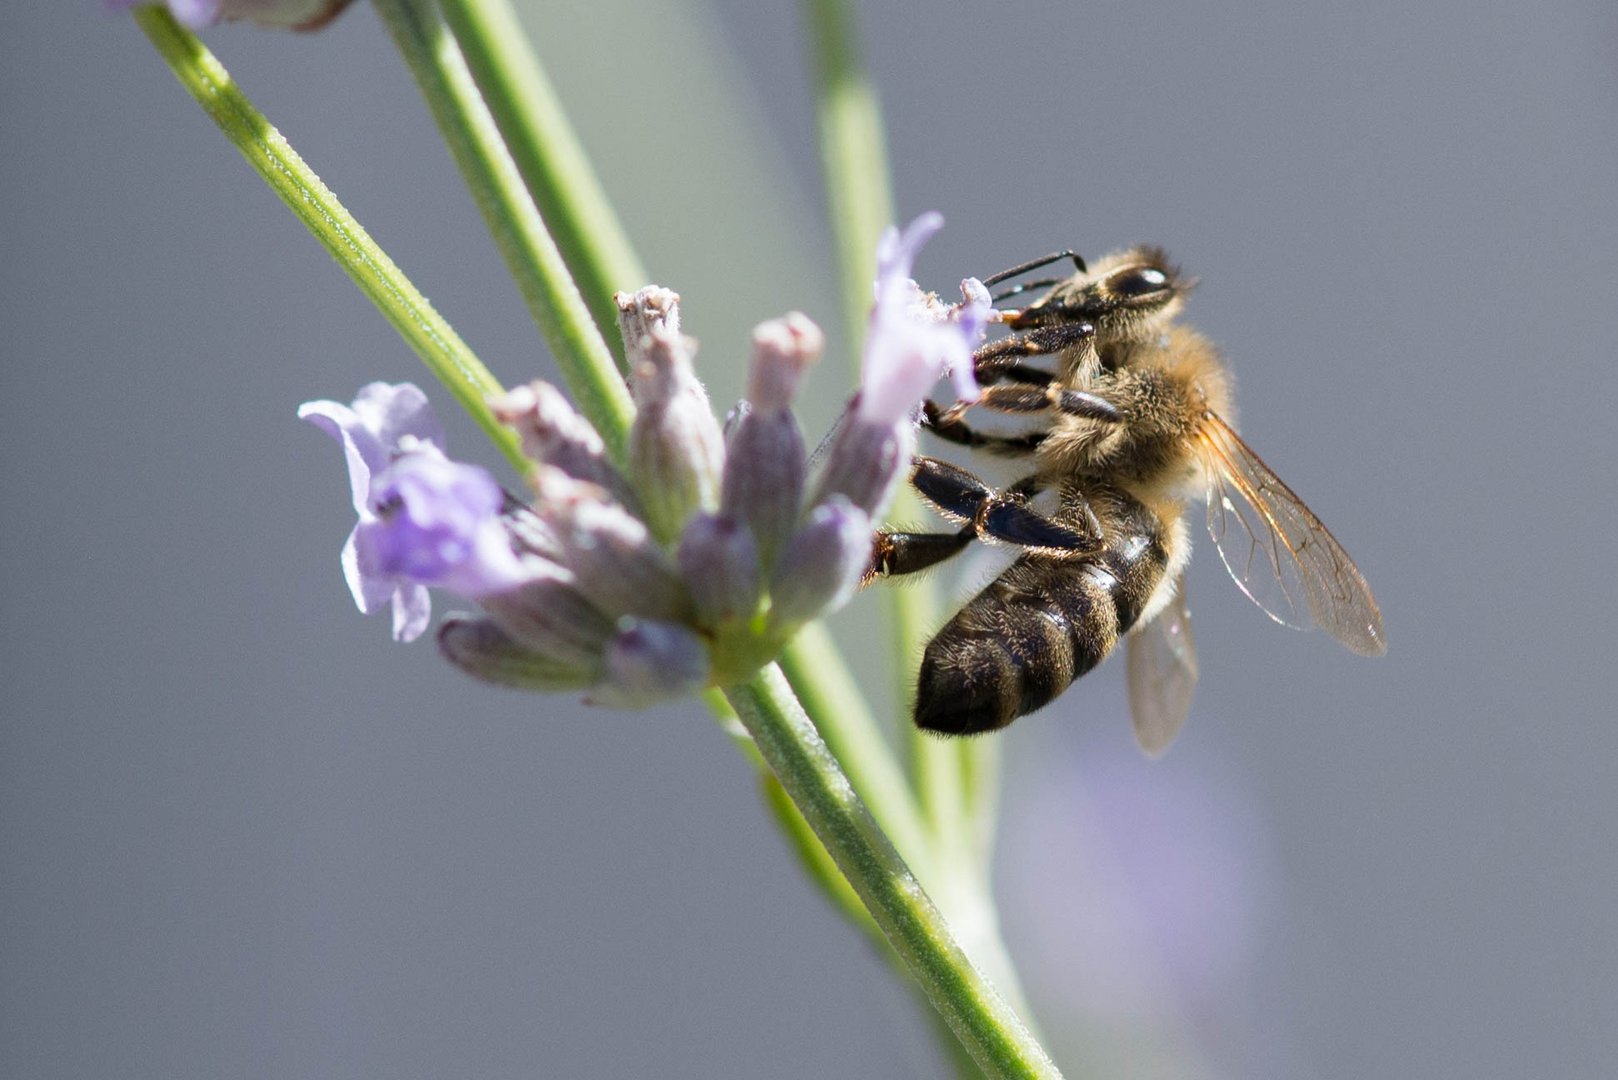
x: 365, y: 453
x: 439, y: 524
x: 390, y: 411
x: 370, y: 586
x: 196, y: 14
x: 896, y: 253
x: 905, y: 358
x: 412, y: 610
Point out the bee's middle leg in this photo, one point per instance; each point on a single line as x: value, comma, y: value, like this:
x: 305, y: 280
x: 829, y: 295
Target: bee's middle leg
x: 1006, y: 517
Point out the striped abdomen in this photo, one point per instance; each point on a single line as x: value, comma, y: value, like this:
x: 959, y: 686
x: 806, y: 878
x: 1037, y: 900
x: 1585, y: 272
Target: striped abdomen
x: 1041, y: 624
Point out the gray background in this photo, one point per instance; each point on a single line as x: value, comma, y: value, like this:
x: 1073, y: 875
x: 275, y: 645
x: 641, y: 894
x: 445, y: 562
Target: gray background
x: 244, y: 834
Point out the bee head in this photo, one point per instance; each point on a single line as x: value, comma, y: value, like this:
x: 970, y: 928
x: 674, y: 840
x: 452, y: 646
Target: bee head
x: 1124, y: 294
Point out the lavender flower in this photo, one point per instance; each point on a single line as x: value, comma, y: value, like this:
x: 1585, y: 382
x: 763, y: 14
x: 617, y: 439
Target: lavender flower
x: 423, y: 519
x: 692, y: 567
x: 280, y: 14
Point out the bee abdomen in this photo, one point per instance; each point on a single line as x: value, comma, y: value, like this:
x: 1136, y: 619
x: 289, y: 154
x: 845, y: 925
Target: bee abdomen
x: 1040, y: 625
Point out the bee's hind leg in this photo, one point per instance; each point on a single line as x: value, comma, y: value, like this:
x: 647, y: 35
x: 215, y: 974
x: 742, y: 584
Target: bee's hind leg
x: 897, y: 553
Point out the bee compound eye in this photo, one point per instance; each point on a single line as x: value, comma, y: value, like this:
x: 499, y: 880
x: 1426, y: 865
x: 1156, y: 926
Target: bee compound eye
x: 1138, y: 281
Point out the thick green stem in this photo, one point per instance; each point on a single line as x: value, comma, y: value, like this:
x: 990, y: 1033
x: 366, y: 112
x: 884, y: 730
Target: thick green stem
x: 439, y: 347
x: 829, y: 694
x: 581, y: 352
x: 548, y: 155
x: 981, y: 1020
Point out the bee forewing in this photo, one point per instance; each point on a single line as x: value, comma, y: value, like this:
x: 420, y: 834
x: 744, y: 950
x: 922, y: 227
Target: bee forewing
x: 1162, y: 662
x: 1278, y: 552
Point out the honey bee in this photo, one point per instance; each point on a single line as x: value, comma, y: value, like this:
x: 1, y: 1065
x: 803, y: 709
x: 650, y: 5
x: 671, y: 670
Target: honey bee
x: 1134, y: 424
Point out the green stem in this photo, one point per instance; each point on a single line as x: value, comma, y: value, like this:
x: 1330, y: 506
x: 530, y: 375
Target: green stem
x: 582, y: 355
x: 548, y: 156
x: 858, y: 199
x: 829, y: 694
x: 440, y: 348
x: 955, y: 779
x: 981, y: 1020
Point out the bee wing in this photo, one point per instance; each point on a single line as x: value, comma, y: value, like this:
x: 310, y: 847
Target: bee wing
x: 1162, y: 659
x: 1280, y: 554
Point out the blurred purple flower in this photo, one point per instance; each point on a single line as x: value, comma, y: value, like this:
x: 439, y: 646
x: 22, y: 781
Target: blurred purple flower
x: 1143, y: 889
x: 281, y: 14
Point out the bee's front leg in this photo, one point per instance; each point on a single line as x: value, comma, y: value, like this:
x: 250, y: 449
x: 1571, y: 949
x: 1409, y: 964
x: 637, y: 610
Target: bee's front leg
x: 1000, y: 359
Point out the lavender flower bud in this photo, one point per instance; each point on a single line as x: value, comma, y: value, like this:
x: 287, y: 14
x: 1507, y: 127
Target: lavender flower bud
x: 822, y: 565
x: 553, y: 433
x: 676, y: 451
x: 483, y: 650
x: 719, y: 562
x: 867, y: 461
x: 615, y: 562
x: 650, y: 662
x: 764, y: 459
x: 550, y: 617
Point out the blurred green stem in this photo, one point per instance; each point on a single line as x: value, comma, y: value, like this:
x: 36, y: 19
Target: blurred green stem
x: 581, y: 352
x: 548, y: 156
x: 853, y: 156
x: 855, y: 171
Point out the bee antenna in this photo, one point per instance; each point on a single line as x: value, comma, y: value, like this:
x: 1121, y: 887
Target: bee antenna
x: 1024, y: 286
x: 1035, y: 264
